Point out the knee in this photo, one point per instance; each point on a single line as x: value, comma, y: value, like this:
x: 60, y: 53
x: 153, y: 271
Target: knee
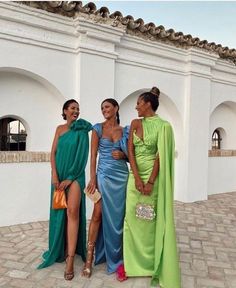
x: 72, y: 213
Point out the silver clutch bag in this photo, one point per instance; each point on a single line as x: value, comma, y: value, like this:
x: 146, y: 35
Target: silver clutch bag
x: 145, y: 211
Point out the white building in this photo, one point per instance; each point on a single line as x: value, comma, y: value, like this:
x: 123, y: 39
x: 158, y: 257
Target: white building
x: 88, y: 54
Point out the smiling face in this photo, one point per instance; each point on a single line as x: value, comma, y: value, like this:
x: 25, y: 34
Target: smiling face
x: 142, y: 107
x: 72, y: 111
x: 108, y: 110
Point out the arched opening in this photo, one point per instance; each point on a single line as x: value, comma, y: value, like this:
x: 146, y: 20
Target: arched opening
x: 216, y: 139
x: 222, y: 119
x: 33, y: 101
x: 12, y: 135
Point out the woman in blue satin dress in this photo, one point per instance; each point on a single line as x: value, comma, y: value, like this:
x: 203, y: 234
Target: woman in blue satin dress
x: 109, y: 139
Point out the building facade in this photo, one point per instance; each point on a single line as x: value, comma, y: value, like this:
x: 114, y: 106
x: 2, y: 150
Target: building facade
x: 88, y: 54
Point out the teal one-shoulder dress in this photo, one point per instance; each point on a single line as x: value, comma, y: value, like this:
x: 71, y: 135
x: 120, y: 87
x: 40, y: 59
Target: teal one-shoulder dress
x: 71, y: 159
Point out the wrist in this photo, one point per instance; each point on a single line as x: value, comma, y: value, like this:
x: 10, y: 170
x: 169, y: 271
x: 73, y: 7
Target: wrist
x: 150, y: 182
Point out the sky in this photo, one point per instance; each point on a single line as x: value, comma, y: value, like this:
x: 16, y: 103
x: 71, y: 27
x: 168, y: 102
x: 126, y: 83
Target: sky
x: 214, y: 21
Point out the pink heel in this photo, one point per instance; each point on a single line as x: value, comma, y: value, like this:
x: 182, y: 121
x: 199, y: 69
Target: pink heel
x: 120, y: 273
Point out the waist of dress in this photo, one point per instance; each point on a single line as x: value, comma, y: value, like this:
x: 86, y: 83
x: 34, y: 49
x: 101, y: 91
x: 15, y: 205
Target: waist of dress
x: 145, y: 164
x: 110, y: 164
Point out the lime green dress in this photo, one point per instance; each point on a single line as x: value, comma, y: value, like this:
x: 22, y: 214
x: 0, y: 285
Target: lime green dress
x: 71, y: 159
x: 150, y: 246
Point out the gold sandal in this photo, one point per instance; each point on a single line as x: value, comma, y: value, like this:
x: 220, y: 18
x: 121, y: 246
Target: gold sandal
x: 69, y: 275
x: 87, y: 270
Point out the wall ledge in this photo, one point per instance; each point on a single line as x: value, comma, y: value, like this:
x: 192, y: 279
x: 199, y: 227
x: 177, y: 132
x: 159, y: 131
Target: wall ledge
x: 23, y: 156
x: 221, y: 153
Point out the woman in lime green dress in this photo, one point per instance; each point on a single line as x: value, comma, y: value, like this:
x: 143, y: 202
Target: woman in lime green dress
x: 149, y: 231
x: 69, y: 154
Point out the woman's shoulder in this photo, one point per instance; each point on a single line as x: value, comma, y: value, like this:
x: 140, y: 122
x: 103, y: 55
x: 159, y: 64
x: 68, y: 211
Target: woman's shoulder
x: 135, y: 123
x: 97, y: 125
x: 61, y: 129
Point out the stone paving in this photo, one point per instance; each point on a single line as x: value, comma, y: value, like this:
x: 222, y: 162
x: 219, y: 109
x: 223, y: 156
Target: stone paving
x: 206, y: 233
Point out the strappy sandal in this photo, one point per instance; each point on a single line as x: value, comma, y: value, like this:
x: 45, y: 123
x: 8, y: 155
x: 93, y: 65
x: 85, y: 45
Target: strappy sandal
x: 87, y: 270
x: 69, y: 275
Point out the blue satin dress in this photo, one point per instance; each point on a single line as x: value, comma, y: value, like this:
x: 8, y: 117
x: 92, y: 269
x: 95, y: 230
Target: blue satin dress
x: 112, y: 176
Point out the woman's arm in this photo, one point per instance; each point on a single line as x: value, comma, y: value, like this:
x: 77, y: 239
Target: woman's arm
x: 55, y: 180
x: 138, y: 181
x: 149, y: 185
x: 93, y: 162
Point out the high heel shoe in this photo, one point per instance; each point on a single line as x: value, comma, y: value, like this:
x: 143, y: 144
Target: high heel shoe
x: 69, y: 275
x: 120, y: 273
x: 87, y: 270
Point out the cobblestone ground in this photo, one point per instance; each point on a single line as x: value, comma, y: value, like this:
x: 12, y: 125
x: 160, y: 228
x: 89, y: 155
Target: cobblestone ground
x: 206, y: 233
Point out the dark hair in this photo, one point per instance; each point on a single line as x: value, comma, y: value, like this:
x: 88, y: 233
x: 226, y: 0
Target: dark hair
x: 115, y: 104
x: 152, y: 96
x: 66, y: 105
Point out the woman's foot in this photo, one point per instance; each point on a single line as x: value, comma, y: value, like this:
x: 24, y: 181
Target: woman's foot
x: 87, y: 270
x: 120, y: 273
x: 69, y: 272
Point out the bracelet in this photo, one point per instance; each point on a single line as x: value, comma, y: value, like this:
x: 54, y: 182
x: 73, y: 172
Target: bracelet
x: 152, y: 183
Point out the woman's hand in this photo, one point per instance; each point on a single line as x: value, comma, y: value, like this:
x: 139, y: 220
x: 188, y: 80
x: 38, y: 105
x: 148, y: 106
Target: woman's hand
x: 55, y: 180
x: 147, y: 189
x: 117, y: 154
x: 64, y: 184
x: 139, y: 185
x: 91, y: 187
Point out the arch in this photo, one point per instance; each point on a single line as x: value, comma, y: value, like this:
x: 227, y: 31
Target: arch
x: 223, y: 118
x: 54, y: 90
x: 34, y: 101
x: 10, y: 140
x: 167, y: 110
x: 23, y: 121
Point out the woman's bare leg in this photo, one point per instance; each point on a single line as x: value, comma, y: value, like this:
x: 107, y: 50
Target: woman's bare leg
x: 92, y: 237
x: 73, y: 205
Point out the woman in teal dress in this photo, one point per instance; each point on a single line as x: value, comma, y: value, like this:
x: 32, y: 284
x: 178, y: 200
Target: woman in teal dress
x: 69, y: 154
x: 149, y: 231
x: 109, y: 139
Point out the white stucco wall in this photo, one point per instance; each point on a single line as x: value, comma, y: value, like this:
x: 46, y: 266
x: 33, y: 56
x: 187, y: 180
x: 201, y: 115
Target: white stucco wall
x: 24, y: 192
x: 221, y: 175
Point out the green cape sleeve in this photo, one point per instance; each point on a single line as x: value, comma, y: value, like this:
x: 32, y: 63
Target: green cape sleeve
x: 166, y: 266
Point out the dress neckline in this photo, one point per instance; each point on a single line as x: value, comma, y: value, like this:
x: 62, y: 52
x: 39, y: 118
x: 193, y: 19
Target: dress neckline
x: 110, y: 139
x: 150, y: 117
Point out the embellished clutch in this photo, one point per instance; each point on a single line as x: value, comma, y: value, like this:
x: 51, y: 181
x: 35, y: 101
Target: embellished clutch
x: 95, y: 197
x: 145, y: 211
x: 59, y: 199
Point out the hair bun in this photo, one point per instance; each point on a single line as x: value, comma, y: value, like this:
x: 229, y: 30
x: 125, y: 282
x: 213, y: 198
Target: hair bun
x: 155, y: 91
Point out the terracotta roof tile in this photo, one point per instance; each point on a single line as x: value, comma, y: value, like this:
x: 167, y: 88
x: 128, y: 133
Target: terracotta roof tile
x: 132, y: 26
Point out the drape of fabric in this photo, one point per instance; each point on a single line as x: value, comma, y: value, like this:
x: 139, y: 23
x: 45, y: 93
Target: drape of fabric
x: 71, y: 159
x: 112, y: 178
x: 150, y: 246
